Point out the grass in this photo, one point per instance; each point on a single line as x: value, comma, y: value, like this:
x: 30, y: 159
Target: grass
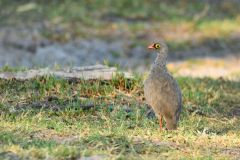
x: 140, y: 10
x: 42, y: 118
x: 181, y: 24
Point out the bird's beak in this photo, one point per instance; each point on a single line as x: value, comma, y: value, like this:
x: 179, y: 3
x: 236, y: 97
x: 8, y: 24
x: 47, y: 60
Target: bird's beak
x: 151, y: 46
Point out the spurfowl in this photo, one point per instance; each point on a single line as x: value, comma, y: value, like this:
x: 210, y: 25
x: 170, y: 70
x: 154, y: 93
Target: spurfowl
x: 161, y: 90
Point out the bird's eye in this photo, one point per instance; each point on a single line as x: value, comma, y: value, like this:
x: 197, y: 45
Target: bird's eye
x: 157, y: 46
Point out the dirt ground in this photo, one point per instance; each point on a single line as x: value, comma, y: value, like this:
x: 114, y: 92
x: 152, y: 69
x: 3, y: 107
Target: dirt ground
x: 29, y: 48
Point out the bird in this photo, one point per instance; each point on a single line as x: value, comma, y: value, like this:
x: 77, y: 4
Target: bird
x: 162, y: 91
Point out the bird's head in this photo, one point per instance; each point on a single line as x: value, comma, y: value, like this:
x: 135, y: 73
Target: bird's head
x: 160, y: 47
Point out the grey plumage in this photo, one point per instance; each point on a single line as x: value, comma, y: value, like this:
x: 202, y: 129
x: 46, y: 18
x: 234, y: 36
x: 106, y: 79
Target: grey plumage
x: 162, y: 92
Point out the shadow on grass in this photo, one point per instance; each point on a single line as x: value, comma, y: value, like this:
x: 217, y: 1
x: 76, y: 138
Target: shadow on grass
x: 204, y: 96
x: 215, y: 99
x: 211, y: 97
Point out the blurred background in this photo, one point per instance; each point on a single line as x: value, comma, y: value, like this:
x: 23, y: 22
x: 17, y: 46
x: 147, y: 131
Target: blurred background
x: 203, y: 36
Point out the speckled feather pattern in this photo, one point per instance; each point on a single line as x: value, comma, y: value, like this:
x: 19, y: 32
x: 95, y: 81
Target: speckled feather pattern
x: 162, y: 92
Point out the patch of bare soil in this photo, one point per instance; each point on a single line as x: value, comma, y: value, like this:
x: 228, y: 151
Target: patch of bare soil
x: 9, y: 156
x: 208, y: 67
x: 52, y: 135
x: 156, y: 142
x: 94, y: 157
x: 233, y: 152
x: 236, y: 111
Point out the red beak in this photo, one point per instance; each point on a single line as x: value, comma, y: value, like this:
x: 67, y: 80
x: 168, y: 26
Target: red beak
x: 151, y: 46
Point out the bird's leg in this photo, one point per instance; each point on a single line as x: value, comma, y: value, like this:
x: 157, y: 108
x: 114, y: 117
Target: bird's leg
x: 160, y: 122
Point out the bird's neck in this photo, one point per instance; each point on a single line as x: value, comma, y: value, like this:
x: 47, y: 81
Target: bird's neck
x: 160, y: 62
